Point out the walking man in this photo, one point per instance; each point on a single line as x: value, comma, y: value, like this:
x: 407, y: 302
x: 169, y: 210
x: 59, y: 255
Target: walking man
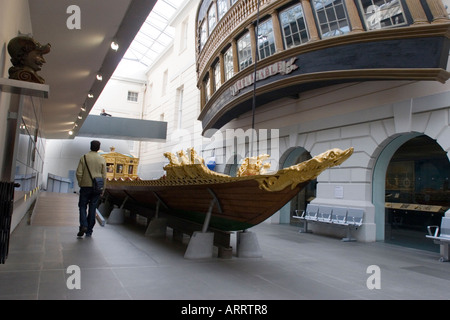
x: 91, y: 165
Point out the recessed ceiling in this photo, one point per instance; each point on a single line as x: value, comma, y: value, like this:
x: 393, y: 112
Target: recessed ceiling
x: 78, y: 54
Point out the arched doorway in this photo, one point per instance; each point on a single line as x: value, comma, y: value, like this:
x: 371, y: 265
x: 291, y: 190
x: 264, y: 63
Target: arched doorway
x: 306, y: 195
x: 413, y: 173
x: 417, y: 192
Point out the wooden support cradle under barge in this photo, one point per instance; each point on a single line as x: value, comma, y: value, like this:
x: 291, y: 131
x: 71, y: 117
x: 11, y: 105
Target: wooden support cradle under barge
x: 192, y: 192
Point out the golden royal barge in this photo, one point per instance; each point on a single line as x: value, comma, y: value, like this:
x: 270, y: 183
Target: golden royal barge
x: 192, y: 192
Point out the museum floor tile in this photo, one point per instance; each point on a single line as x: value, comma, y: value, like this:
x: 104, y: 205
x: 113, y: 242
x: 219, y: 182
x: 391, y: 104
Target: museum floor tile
x: 48, y: 262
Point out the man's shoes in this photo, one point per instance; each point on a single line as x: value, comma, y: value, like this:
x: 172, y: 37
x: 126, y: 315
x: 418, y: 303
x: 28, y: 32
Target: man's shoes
x: 81, y: 232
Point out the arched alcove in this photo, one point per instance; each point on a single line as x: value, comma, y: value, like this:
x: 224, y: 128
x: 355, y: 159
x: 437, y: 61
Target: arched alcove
x: 410, y: 189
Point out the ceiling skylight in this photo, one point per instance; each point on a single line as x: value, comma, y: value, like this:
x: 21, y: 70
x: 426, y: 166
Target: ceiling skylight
x: 155, y: 34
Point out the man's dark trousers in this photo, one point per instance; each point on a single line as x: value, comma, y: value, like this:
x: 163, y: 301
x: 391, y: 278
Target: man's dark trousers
x: 87, y: 217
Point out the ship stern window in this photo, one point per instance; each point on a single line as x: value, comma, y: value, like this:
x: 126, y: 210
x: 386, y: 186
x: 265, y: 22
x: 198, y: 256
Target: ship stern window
x: 332, y: 17
x: 207, y: 86
x: 380, y: 14
x: 244, y: 51
x: 203, y: 35
x: 222, y: 8
x: 217, y: 81
x: 228, y: 64
x: 266, y: 40
x: 212, y: 20
x: 293, y: 26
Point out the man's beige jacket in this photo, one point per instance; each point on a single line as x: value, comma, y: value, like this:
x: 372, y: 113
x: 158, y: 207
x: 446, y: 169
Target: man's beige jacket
x: 97, y: 166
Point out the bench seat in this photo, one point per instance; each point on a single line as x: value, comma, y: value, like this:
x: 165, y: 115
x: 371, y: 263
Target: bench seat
x: 352, y: 218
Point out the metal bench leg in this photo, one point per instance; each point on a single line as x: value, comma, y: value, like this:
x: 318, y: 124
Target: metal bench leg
x: 304, y: 228
x: 349, y: 237
x: 445, y: 252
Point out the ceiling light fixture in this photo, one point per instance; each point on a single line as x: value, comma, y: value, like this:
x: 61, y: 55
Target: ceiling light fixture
x: 80, y: 117
x: 114, y: 45
x: 70, y: 132
x: 90, y: 95
x: 99, y: 77
x: 83, y: 108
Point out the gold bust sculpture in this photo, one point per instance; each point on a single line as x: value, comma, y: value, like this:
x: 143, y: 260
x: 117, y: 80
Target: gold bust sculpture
x: 27, y: 58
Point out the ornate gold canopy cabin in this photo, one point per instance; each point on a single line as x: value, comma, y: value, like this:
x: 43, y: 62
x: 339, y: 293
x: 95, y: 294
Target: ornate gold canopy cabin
x: 119, y: 165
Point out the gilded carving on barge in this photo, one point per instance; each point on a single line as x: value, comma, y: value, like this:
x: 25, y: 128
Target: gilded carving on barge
x: 183, y: 169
